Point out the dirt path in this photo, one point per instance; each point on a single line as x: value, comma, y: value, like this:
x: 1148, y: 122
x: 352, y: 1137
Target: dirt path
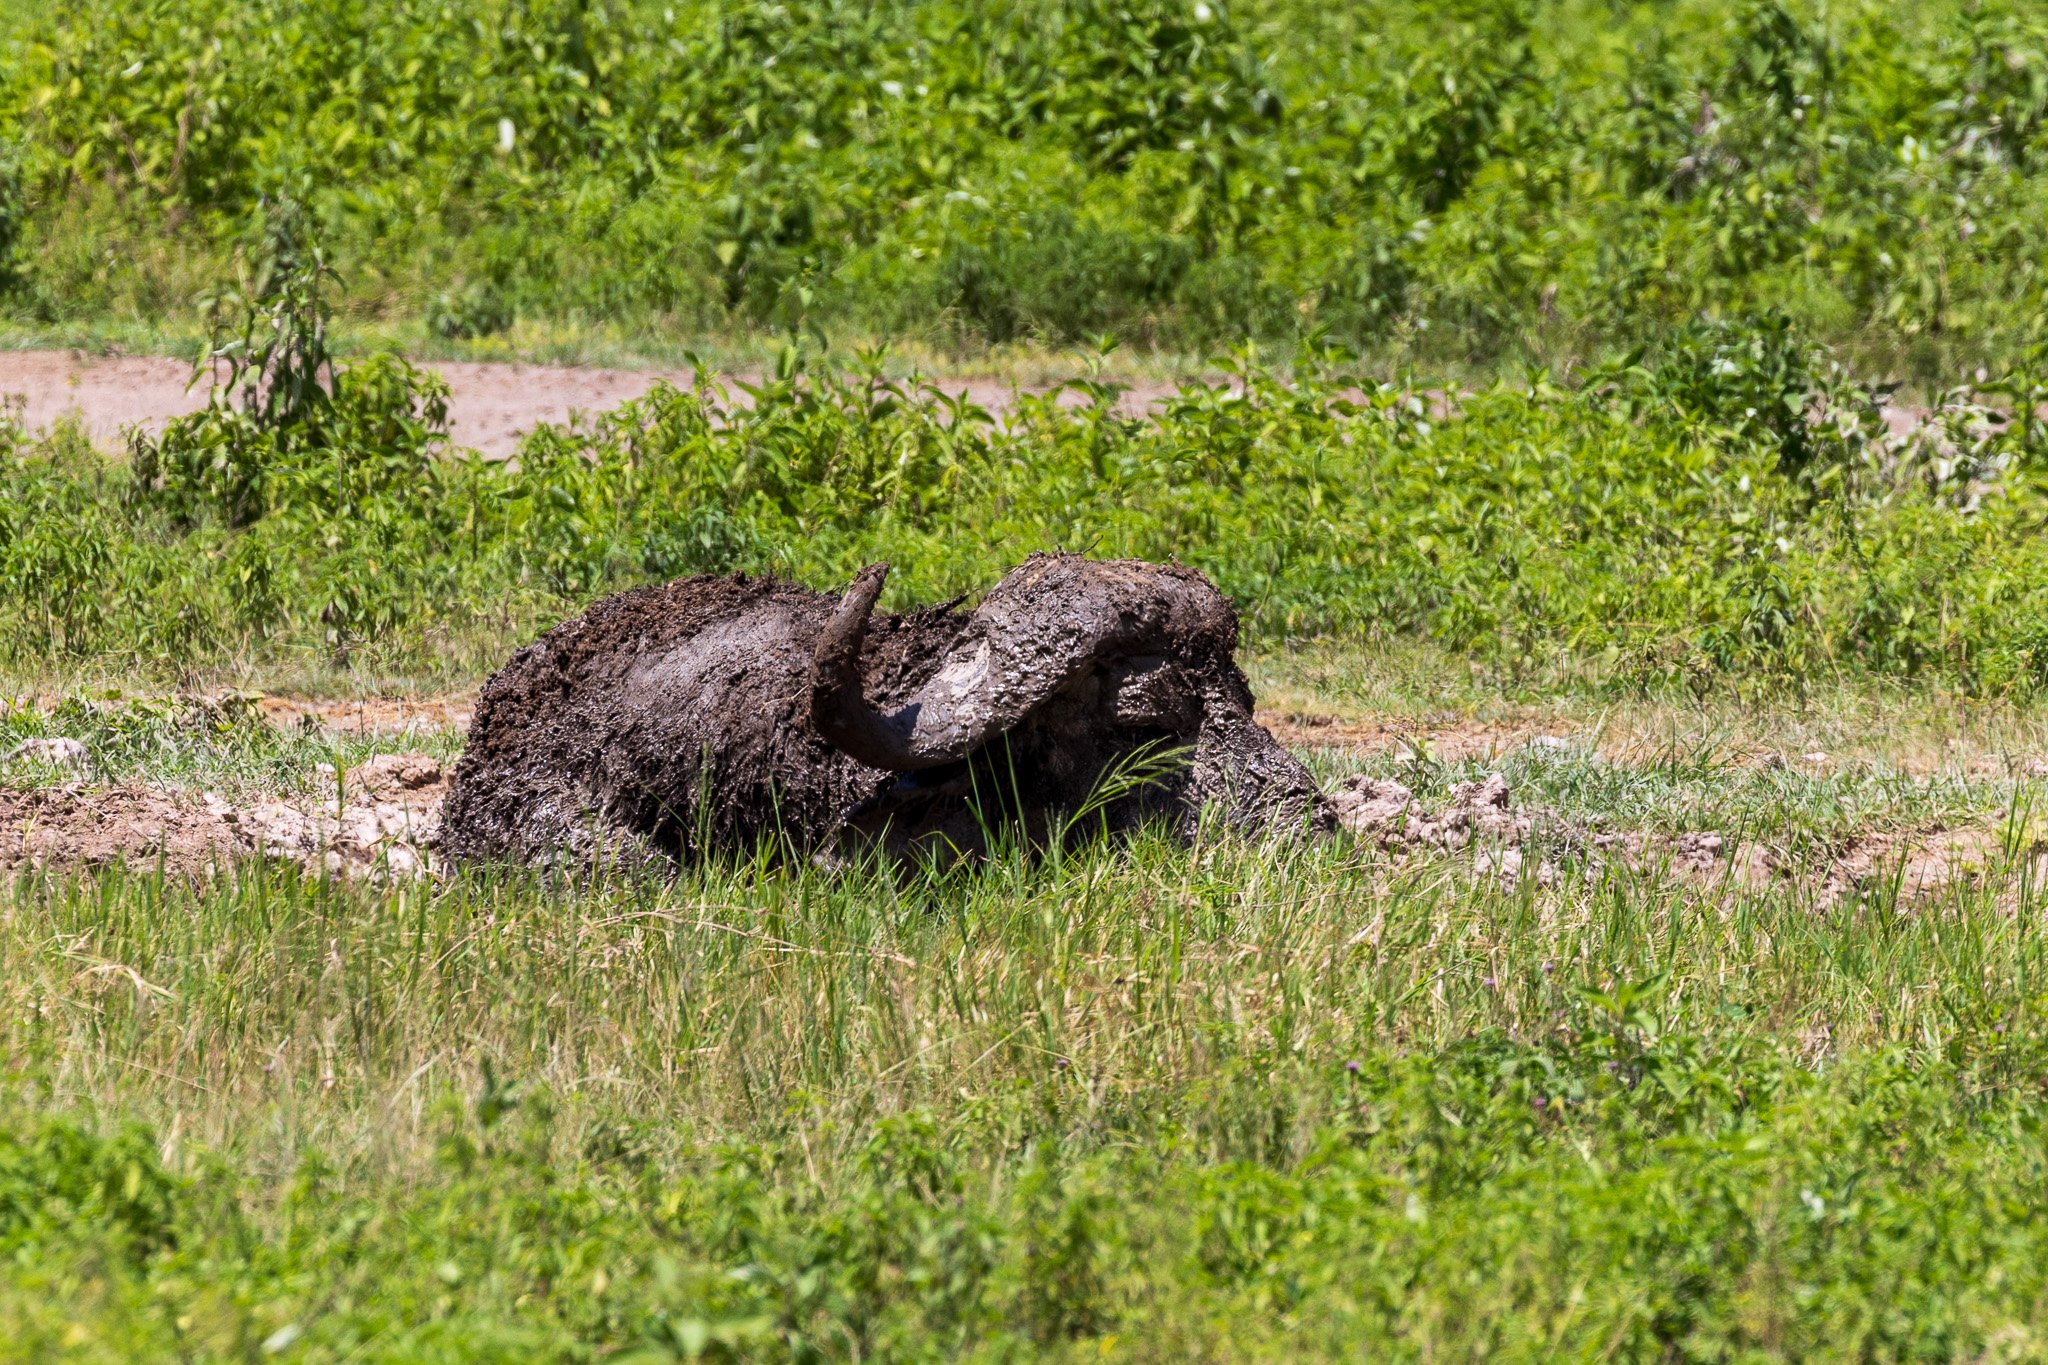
x: 491, y: 403
x: 490, y: 407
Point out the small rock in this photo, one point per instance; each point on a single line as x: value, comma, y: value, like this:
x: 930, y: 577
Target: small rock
x: 1816, y: 757
x: 2036, y: 767
x: 59, y: 752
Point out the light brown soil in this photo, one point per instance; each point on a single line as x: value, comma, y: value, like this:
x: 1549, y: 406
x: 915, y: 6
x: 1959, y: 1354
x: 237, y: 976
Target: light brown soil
x: 1920, y: 866
x: 371, y: 715
x: 1449, y: 738
x: 1911, y: 869
x: 67, y: 827
x: 490, y: 406
x: 382, y: 825
x: 491, y: 403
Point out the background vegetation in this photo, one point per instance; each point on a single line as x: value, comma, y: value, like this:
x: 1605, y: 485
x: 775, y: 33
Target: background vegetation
x: 1144, y: 1101
x: 1473, y: 180
x: 1732, y: 507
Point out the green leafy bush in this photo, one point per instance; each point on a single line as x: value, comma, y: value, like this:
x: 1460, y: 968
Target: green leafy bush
x: 58, y: 1179
x: 13, y: 216
x: 1731, y: 506
x: 1755, y: 379
x: 1050, y: 277
x: 1480, y: 181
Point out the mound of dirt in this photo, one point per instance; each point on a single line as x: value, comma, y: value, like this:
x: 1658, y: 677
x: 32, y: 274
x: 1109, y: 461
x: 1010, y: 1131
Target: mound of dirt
x: 1919, y: 866
x: 411, y: 780
x: 1479, y: 815
x: 68, y: 827
x: 1387, y: 813
x: 383, y: 825
x: 1482, y: 816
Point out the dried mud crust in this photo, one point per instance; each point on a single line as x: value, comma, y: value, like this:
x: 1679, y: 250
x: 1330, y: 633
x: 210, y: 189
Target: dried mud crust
x: 72, y: 828
x: 382, y: 824
x: 1483, y: 818
x: 718, y: 712
x: 1922, y: 865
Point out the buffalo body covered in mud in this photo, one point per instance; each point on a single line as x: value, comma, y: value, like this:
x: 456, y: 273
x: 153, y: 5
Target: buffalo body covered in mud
x: 719, y: 713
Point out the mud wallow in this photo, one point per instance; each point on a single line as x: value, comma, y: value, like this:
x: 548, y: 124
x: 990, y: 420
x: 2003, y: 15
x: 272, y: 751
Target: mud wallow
x: 718, y: 713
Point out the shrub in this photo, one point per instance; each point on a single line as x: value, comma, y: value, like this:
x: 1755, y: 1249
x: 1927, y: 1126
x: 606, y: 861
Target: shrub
x: 13, y: 216
x: 1051, y: 276
x: 58, y: 1179
x: 1650, y: 519
x: 1486, y: 180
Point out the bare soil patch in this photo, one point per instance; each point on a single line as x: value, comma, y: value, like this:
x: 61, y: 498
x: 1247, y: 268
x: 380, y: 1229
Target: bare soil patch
x: 1504, y: 836
x: 371, y: 715
x: 385, y: 818
x: 491, y: 404
x: 65, y: 827
x: 1920, y: 865
x: 1450, y: 738
x: 381, y: 823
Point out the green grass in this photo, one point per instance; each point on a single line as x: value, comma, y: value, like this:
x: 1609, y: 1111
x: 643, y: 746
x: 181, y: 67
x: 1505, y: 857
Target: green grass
x: 1143, y: 1101
x: 1144, y: 1104
x: 223, y: 746
x: 1483, y: 184
x: 1139, y: 1102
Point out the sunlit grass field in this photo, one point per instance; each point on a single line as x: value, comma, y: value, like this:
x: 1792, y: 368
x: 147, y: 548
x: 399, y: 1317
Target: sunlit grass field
x: 1633, y: 407
x: 1239, y: 1100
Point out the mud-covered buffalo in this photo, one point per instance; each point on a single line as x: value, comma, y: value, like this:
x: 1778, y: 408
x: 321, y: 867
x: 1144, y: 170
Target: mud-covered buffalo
x: 729, y: 713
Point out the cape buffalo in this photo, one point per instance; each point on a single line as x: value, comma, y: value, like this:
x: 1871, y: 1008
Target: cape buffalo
x: 716, y: 713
